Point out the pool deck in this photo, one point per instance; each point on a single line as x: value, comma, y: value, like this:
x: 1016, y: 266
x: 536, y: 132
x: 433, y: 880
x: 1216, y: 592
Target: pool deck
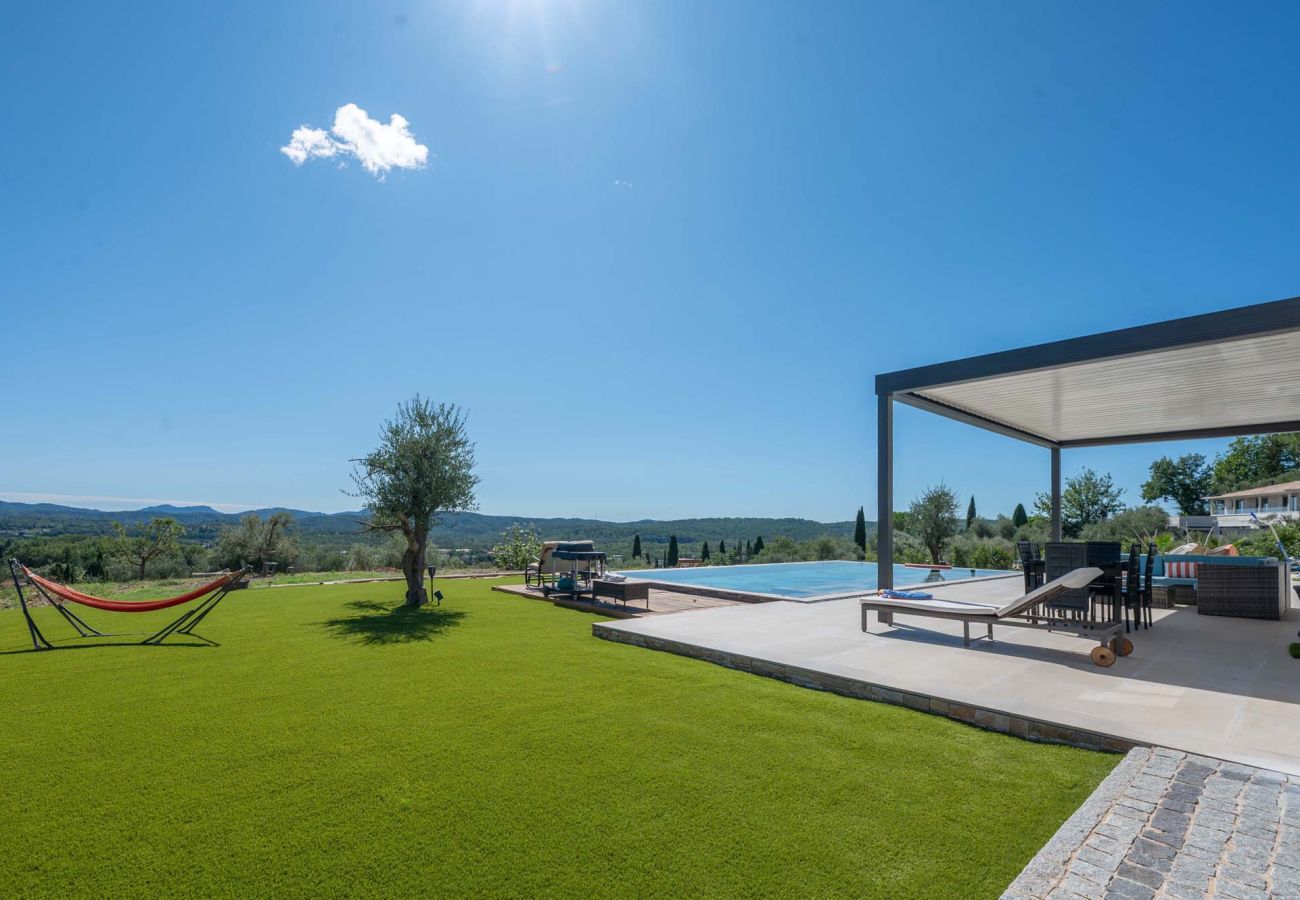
x: 1220, y: 687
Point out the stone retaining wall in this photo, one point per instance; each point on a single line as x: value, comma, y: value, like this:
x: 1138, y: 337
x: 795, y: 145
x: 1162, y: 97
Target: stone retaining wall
x: 994, y: 720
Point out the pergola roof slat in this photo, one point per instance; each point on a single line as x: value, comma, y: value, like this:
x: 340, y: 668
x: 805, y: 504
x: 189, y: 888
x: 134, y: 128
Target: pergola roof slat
x: 1225, y: 373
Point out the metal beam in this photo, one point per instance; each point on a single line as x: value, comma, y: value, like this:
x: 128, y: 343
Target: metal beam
x: 1056, y: 493
x: 885, y: 491
x: 960, y: 415
x: 1211, y: 328
x: 1187, y: 434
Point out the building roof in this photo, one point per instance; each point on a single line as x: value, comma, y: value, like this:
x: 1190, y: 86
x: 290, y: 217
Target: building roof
x: 1220, y: 374
x: 1266, y: 491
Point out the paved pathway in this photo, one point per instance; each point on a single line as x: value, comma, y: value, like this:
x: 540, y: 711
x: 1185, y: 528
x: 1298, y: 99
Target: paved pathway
x: 1170, y: 824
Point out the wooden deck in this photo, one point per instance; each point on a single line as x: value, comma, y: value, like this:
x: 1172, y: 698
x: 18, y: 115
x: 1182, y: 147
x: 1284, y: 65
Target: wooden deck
x: 661, y: 602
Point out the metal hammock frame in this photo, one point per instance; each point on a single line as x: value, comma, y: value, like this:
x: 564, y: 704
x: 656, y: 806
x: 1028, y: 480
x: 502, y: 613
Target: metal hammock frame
x: 184, y: 624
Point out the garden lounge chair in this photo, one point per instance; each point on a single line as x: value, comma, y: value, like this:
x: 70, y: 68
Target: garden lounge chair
x: 1023, y: 612
x: 548, y: 568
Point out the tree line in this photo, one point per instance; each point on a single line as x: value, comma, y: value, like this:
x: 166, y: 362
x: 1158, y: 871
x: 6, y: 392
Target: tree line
x: 1247, y: 462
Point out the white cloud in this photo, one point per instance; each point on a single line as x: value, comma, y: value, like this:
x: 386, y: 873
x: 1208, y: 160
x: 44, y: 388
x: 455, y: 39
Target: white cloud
x: 308, y: 142
x: 379, y: 147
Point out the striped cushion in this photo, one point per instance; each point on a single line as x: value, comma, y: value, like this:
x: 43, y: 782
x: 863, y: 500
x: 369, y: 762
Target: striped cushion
x: 1180, y: 569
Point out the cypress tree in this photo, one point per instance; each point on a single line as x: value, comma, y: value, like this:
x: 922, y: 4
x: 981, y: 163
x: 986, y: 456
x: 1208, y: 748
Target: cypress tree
x: 758, y: 545
x: 859, y: 530
x: 636, y: 546
x: 749, y: 549
x: 970, y: 513
x: 671, y: 560
x: 1018, y: 517
x: 722, y: 546
x: 704, y: 552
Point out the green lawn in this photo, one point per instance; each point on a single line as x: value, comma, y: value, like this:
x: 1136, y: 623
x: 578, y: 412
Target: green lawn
x: 329, y: 746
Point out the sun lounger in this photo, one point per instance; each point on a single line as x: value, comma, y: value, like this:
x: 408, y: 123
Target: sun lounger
x: 1027, y: 611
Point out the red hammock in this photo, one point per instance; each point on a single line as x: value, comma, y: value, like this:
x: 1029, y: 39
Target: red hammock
x: 68, y: 593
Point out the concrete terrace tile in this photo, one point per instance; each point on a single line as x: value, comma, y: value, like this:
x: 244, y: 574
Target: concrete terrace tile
x: 1213, y: 686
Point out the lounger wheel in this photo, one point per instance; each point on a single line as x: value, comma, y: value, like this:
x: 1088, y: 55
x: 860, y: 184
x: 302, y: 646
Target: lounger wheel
x: 1103, y: 656
x: 1122, y: 646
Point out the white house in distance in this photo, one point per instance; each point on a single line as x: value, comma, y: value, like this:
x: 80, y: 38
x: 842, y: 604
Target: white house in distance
x: 1230, y: 513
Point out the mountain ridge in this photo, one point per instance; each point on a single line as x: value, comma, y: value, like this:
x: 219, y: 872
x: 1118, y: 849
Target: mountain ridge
x: 465, y: 529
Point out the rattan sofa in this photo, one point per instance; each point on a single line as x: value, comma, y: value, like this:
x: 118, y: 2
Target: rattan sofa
x: 1250, y: 592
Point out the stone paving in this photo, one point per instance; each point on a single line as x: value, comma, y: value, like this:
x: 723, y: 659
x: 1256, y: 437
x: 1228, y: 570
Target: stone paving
x: 1171, y: 824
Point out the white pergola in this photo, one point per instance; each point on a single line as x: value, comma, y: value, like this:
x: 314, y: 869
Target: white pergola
x: 1220, y: 374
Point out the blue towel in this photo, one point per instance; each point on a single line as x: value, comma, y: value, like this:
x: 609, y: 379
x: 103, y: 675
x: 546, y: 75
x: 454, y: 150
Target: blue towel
x: 906, y: 595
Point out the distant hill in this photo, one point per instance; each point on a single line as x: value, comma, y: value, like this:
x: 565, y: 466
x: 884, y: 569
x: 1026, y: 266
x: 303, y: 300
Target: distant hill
x: 203, y: 523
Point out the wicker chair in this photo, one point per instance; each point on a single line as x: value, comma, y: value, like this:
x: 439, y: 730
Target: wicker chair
x: 1133, y: 589
x: 1061, y: 558
x: 1031, y: 561
x: 1147, y: 571
x: 1137, y: 590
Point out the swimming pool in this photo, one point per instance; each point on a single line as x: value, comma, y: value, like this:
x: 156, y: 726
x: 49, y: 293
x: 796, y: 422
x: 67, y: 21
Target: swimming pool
x: 797, y: 581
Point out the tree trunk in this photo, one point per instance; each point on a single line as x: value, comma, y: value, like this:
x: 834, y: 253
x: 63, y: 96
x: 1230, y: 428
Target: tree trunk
x: 413, y: 568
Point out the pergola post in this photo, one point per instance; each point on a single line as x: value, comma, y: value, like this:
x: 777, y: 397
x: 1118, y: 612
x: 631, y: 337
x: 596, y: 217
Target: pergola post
x: 885, y: 491
x: 1056, y: 493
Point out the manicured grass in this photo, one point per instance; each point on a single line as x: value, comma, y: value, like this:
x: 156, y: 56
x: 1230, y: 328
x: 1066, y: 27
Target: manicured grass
x: 331, y: 746
x: 166, y: 587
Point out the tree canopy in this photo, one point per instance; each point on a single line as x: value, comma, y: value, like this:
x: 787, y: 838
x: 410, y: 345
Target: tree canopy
x: 518, y: 547
x: 1256, y: 460
x: 1019, y: 517
x: 1186, y: 481
x: 932, y: 517
x: 859, y: 529
x: 1086, y: 498
x: 256, y: 541
x: 424, y: 466
x: 159, y: 538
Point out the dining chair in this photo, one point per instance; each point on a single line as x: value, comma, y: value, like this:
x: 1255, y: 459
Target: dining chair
x: 1146, y: 582
x: 1133, y: 587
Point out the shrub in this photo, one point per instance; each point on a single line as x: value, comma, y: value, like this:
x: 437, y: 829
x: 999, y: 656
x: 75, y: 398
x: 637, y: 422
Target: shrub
x: 781, y: 549
x: 982, y: 553
x: 519, y: 546
x: 1137, y: 524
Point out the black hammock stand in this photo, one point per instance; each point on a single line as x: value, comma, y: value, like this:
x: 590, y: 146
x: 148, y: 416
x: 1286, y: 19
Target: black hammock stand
x: 213, y: 592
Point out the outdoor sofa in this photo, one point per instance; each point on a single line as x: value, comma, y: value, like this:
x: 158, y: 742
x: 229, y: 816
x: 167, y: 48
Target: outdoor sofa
x: 1028, y: 611
x: 1254, y: 587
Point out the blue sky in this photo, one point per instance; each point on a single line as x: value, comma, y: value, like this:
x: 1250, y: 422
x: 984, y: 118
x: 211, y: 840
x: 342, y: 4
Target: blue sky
x: 657, y: 251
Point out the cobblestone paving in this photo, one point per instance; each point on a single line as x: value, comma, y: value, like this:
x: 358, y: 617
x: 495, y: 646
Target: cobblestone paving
x: 1171, y: 824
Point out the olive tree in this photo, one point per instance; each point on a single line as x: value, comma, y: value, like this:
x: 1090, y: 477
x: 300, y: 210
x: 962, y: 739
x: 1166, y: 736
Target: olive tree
x: 161, y: 537
x: 933, y: 519
x: 423, y: 467
x: 256, y: 541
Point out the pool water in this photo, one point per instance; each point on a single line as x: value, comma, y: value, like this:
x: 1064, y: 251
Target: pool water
x: 800, y: 580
